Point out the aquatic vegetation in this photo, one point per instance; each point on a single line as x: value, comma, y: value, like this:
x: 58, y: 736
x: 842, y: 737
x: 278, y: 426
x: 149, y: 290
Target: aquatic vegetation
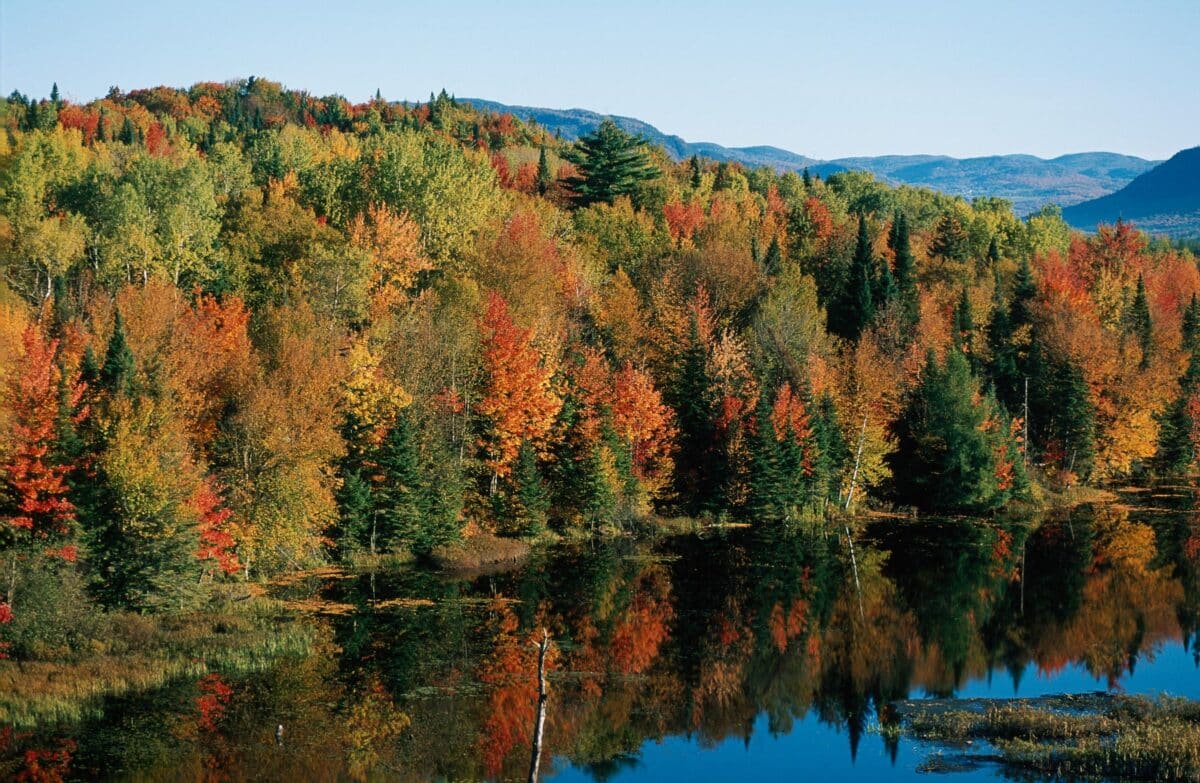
x: 1102, y: 736
x: 138, y: 653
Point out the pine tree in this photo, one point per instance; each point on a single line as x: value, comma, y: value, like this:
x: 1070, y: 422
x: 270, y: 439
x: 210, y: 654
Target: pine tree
x: 857, y: 308
x: 993, y: 253
x: 1140, y: 324
x: 954, y: 448
x: 950, y: 239
x: 1062, y: 415
x: 766, y: 501
x: 356, y: 510
x: 697, y: 173
x: 530, y: 501
x: 1024, y: 293
x: 1002, y: 367
x: 832, y: 451
x: 696, y: 475
x: 117, y: 374
x: 611, y: 163
x: 1179, y: 426
x: 905, y: 271
x: 721, y: 180
x: 807, y: 179
x: 441, y: 497
x: 1189, y: 330
x: 129, y: 133
x: 545, y: 177
x: 398, y: 521
x: 54, y: 97
x: 61, y: 312
x: 886, y: 290
x: 773, y: 261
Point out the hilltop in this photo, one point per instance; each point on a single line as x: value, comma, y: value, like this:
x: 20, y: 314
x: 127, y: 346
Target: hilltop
x: 1029, y: 182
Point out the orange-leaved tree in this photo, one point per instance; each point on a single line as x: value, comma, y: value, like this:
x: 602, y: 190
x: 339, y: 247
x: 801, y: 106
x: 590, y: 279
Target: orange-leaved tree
x: 35, y: 512
x: 519, y: 403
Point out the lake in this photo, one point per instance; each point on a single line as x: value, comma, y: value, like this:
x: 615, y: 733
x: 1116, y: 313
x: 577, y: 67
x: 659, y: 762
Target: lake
x: 741, y: 653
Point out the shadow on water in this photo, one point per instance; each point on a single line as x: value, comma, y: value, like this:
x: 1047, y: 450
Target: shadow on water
x: 746, y: 653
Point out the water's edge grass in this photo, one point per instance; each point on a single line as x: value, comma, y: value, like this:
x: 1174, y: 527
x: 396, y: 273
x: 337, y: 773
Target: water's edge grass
x: 144, y: 653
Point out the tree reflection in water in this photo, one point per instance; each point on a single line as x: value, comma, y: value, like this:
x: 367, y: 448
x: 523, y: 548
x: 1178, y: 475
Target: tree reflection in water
x: 701, y: 637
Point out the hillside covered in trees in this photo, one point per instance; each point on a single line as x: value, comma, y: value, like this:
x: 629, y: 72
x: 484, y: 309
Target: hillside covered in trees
x: 245, y: 329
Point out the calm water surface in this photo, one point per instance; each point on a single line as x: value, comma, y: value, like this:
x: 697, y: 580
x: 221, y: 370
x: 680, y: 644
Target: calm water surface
x: 744, y: 655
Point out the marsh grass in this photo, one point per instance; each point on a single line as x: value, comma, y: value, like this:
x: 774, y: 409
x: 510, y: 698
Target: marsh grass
x: 138, y: 653
x: 480, y: 551
x: 1131, y: 737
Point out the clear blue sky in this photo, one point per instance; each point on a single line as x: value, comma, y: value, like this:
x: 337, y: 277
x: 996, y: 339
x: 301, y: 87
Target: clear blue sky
x: 827, y: 79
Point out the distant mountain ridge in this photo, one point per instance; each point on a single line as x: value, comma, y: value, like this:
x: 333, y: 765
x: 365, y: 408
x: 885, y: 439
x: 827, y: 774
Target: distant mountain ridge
x: 1028, y: 181
x: 1163, y: 200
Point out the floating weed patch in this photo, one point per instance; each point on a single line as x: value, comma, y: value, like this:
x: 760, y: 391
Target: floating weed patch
x: 481, y: 551
x: 1092, y: 736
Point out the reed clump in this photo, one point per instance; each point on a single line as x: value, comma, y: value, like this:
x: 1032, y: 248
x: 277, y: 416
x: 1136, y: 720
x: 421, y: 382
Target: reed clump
x: 136, y: 653
x: 1131, y: 737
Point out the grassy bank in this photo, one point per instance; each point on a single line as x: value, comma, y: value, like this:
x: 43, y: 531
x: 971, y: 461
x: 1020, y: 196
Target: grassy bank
x: 139, y: 653
x: 480, y: 551
x: 1097, y: 736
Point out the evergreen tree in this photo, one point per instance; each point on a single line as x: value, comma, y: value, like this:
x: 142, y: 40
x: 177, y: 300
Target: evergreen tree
x: 886, y: 290
x: 697, y: 172
x: 545, y: 177
x: 1189, y: 331
x: 807, y: 179
x: 950, y: 239
x: 993, y: 253
x: 117, y: 374
x: 766, y: 501
x: 1062, y: 416
x: 530, y: 501
x: 1139, y: 323
x: 905, y: 272
x: 611, y: 163
x: 1002, y: 367
x: 954, y: 450
x: 832, y: 451
x: 1024, y: 294
x: 442, y: 493
x: 721, y: 180
x: 597, y: 491
x: 695, y: 461
x: 356, y: 510
x: 129, y: 133
x: 1179, y: 425
x: 397, y: 524
x: 773, y: 261
x: 61, y: 312
x: 54, y: 97
x: 857, y: 308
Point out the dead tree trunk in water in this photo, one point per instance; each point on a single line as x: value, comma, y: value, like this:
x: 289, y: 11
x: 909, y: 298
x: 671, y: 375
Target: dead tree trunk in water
x: 857, y: 585
x: 539, y: 723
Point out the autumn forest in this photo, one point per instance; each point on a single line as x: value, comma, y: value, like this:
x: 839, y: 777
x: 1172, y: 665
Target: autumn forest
x: 246, y: 332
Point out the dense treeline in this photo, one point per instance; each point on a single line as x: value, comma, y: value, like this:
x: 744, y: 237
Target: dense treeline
x: 243, y: 329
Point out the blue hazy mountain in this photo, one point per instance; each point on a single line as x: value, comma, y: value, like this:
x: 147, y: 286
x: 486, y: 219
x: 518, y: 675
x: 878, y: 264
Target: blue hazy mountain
x: 1028, y: 181
x: 1163, y: 200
